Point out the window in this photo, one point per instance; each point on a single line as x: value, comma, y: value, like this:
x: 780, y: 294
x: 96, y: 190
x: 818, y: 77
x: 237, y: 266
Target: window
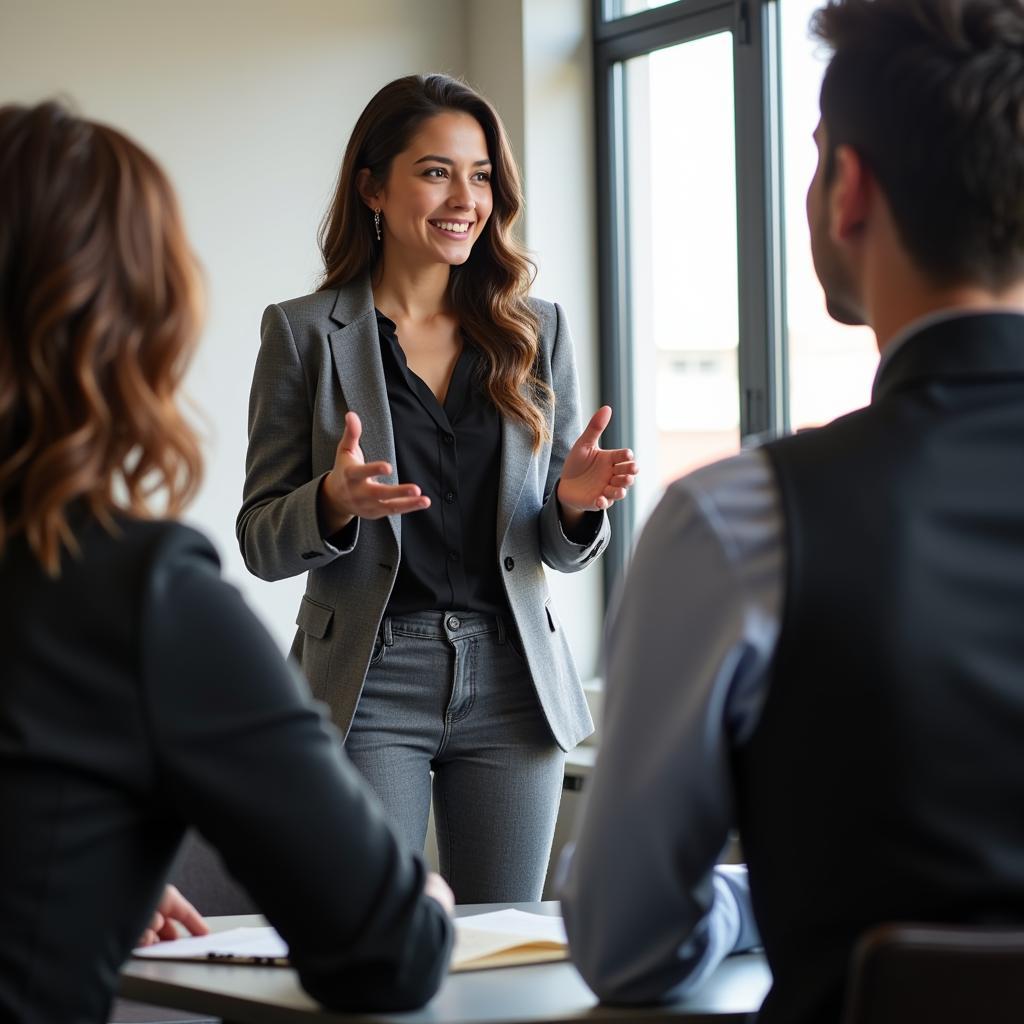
x: 682, y: 258
x: 623, y: 8
x: 831, y: 367
x: 689, y: 182
x: 714, y: 328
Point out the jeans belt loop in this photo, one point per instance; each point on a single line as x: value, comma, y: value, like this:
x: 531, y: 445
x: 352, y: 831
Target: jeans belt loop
x: 385, y: 627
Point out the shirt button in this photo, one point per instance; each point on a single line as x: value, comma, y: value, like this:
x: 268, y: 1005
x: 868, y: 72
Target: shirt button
x: 453, y: 556
x: 449, y: 438
x: 454, y: 622
x: 510, y: 563
x: 450, y: 497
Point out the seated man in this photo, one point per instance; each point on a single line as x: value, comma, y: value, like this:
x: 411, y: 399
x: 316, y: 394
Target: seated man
x: 821, y: 642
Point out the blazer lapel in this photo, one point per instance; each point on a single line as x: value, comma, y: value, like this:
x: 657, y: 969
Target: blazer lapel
x: 516, y: 455
x: 355, y: 346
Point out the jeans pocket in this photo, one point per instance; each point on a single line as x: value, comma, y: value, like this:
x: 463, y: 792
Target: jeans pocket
x: 379, y: 647
x: 514, y: 643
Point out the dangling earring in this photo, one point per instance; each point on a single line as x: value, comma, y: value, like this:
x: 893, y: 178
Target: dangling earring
x: 376, y: 223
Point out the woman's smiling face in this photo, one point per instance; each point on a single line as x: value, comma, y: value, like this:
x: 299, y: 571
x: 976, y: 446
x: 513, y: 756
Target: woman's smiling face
x: 437, y: 196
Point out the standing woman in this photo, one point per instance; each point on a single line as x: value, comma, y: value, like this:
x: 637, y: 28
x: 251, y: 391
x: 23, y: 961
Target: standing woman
x: 426, y: 624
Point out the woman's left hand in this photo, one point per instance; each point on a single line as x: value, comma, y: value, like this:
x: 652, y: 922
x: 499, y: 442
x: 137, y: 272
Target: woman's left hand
x: 593, y: 478
x: 173, y: 907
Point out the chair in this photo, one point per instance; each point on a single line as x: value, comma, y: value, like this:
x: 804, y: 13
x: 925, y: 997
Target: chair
x: 203, y: 880
x: 936, y: 974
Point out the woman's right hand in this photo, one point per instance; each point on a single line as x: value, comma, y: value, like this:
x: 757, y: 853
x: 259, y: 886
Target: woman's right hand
x: 350, y: 489
x: 437, y: 889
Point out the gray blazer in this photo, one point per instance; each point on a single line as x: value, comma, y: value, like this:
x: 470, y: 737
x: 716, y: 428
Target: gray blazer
x: 319, y: 357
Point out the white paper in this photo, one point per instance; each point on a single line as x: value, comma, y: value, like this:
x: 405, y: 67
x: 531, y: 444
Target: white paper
x: 483, y: 935
x: 517, y: 924
x: 236, y: 943
x: 475, y: 937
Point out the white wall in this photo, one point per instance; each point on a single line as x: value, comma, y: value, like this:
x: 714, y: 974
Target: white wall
x: 248, y: 104
x: 494, y: 61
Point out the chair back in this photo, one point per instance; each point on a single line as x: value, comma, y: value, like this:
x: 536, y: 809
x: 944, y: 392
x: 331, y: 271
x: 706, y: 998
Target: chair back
x: 936, y: 974
x: 203, y: 880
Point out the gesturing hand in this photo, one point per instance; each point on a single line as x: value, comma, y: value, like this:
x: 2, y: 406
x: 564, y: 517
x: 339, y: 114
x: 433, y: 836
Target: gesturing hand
x: 593, y: 478
x: 350, y: 488
x: 172, y: 907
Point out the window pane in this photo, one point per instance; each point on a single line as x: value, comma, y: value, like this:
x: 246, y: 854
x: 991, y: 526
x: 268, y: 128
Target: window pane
x: 622, y: 8
x: 681, y: 175
x: 830, y: 366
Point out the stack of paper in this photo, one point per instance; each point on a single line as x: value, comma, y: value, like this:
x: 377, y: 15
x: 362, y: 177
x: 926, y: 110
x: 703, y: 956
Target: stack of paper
x: 500, y: 939
x: 506, y: 938
x: 235, y: 945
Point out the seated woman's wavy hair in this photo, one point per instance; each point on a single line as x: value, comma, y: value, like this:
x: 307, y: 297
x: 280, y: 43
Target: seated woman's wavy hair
x: 100, y: 309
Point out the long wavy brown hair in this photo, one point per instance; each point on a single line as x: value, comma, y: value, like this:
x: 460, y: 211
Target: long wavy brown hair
x: 488, y: 292
x: 100, y: 308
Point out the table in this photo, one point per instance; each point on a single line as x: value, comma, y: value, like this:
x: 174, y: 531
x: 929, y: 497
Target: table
x: 539, y: 994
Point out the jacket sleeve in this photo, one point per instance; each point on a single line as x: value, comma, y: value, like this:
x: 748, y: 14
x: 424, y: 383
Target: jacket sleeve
x: 556, y: 549
x: 244, y: 756
x: 278, y: 528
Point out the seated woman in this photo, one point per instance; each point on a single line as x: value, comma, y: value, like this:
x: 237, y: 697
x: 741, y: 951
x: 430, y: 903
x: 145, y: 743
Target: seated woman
x: 138, y: 693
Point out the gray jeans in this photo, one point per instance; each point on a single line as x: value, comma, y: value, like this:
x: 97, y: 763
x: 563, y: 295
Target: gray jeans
x: 449, y: 692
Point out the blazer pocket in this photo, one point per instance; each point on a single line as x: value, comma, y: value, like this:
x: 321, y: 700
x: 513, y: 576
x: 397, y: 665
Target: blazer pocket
x: 552, y: 621
x: 314, y: 618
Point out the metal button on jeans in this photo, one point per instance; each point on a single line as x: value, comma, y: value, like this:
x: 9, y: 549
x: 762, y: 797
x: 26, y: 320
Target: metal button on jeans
x: 454, y: 622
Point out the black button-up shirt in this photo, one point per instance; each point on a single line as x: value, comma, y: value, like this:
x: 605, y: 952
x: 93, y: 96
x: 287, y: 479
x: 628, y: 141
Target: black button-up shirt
x: 449, y: 551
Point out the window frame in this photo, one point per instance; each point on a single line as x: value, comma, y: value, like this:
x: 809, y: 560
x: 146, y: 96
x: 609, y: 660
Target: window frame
x: 763, y: 398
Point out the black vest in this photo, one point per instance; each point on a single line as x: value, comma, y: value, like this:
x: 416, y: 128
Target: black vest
x: 885, y: 780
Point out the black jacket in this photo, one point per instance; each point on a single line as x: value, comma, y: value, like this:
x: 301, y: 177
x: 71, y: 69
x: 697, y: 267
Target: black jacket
x: 138, y: 696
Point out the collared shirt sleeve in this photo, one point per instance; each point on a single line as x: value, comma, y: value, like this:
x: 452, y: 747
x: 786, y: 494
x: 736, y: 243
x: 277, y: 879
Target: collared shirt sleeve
x: 688, y: 647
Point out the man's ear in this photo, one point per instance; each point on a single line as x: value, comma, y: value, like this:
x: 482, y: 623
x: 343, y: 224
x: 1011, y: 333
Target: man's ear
x: 851, y: 194
x: 368, y: 190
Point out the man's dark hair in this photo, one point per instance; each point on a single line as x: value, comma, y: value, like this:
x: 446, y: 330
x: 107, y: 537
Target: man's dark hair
x: 930, y: 94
